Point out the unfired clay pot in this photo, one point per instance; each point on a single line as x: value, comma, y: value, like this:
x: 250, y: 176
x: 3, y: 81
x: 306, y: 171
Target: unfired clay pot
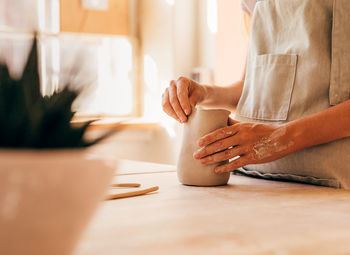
x: 189, y: 170
x: 48, y: 197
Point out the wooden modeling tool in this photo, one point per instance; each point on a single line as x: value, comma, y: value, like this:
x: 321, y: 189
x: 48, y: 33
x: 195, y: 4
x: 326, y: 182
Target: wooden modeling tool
x: 131, y: 193
x: 125, y: 185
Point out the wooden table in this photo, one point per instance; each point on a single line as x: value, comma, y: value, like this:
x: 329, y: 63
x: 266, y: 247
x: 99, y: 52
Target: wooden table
x: 249, y: 216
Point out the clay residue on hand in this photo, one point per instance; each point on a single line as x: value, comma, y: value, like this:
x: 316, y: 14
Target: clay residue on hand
x: 268, y: 146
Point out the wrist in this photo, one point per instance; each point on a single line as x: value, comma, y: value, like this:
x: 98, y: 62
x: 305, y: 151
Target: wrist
x: 295, y: 138
x: 226, y: 97
x: 207, y: 92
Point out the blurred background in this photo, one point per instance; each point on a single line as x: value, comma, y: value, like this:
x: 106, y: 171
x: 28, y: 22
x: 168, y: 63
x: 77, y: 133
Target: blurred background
x: 122, y: 54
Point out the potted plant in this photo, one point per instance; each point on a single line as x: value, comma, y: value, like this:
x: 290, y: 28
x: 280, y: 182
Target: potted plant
x: 50, y: 184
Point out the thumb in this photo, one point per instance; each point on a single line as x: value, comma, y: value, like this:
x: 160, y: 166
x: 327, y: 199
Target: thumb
x: 194, y: 97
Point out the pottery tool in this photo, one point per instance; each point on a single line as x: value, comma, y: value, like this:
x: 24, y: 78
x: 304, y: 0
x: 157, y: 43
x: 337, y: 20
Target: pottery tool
x: 131, y: 193
x: 125, y: 185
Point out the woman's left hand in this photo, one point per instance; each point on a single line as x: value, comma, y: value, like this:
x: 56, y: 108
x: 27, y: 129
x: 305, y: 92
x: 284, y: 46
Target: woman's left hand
x: 249, y: 143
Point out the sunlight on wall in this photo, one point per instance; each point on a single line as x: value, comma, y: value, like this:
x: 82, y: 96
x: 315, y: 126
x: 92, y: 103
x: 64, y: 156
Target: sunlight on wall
x: 212, y: 16
x: 170, y: 2
x: 152, y: 86
x: 103, y: 68
x: 114, y: 92
x: 150, y: 71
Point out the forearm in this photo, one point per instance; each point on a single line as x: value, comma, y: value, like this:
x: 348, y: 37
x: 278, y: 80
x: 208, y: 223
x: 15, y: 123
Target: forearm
x: 223, y: 97
x: 323, y: 127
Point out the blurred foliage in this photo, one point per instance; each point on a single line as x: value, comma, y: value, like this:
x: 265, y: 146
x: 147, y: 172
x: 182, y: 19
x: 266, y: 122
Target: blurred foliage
x: 30, y: 120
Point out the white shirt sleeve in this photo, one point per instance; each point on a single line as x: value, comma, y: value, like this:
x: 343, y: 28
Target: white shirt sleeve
x: 248, y: 6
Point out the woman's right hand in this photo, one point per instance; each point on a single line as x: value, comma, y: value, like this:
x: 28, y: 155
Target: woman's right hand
x: 181, y: 96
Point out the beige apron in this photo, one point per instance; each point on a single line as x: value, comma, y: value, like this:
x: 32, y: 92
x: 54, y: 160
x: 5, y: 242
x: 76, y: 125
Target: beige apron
x: 298, y: 64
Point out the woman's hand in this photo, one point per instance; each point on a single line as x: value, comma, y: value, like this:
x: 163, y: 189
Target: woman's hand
x: 179, y: 98
x: 249, y: 143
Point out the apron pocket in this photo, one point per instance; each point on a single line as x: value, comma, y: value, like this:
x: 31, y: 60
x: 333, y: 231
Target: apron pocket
x: 268, y: 87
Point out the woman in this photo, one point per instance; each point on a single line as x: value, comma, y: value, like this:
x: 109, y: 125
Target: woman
x: 292, y: 107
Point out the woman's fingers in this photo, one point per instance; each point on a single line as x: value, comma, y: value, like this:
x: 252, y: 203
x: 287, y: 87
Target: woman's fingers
x: 233, y: 165
x: 181, y: 96
x: 174, y: 101
x: 167, y: 108
x: 246, y: 143
x: 224, y: 155
x: 219, y: 134
x: 215, y: 147
x: 182, y: 85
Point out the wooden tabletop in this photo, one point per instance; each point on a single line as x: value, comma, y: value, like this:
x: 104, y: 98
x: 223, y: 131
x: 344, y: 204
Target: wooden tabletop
x: 248, y: 216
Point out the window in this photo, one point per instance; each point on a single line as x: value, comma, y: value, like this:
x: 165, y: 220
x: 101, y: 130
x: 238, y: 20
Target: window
x: 102, y: 66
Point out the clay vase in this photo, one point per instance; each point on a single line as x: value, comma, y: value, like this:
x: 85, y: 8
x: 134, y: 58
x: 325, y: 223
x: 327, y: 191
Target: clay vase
x: 189, y: 170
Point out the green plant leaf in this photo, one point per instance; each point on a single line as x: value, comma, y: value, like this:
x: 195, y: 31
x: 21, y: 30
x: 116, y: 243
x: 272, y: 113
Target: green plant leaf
x: 30, y: 78
x: 29, y: 120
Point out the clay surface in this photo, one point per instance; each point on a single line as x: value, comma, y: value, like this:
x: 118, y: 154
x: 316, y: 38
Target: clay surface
x: 189, y: 170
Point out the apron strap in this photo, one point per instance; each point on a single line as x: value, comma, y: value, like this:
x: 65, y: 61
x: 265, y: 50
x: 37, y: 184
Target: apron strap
x: 340, y: 69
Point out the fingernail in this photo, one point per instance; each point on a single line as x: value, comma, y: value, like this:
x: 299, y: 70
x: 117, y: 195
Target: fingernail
x: 196, y: 155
